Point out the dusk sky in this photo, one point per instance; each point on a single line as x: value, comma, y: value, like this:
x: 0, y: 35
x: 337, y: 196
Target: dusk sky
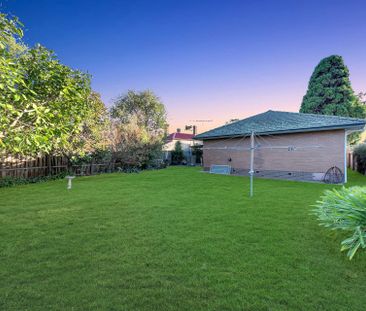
x: 206, y: 60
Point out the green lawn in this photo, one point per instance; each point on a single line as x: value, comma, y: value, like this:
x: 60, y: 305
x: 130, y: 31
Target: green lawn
x: 174, y: 239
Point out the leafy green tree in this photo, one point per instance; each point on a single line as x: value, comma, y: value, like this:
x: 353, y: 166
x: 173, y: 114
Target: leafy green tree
x: 330, y: 92
x: 145, y: 106
x: 132, y: 146
x: 42, y: 102
x: 94, y: 134
x: 139, y: 126
x: 11, y: 72
x: 11, y: 33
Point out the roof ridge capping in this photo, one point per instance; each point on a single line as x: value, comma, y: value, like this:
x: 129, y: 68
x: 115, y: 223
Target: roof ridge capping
x: 277, y: 122
x: 316, y: 115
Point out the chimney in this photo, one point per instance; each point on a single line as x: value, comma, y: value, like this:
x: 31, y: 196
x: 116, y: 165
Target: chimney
x: 178, y: 130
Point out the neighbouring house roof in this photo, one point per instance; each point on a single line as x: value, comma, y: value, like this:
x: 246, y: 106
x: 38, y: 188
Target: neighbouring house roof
x: 280, y: 122
x: 176, y: 135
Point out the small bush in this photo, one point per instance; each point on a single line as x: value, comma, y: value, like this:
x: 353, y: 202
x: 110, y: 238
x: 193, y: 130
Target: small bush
x: 197, y: 150
x: 13, y: 181
x: 360, y: 156
x: 345, y: 209
x: 177, y: 153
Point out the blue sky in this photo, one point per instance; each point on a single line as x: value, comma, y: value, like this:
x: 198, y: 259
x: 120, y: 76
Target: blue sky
x: 206, y: 59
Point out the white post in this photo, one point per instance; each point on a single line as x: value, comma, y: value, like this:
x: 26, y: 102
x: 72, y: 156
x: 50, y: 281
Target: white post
x: 69, y: 181
x: 251, y: 171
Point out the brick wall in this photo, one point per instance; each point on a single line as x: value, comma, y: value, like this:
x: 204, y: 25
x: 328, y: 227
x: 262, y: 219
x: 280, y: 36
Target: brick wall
x: 312, y: 152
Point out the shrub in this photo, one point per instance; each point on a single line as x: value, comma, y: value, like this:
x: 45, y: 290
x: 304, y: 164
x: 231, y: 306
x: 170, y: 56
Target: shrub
x: 360, y: 156
x: 98, y: 156
x: 197, y: 150
x: 177, y: 153
x: 13, y: 181
x: 345, y: 209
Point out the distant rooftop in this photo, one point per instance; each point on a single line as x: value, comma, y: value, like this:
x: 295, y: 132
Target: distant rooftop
x: 280, y: 122
x: 178, y: 135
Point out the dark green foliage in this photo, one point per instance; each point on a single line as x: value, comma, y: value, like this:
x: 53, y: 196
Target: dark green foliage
x: 98, y: 156
x: 177, y: 153
x: 13, y: 181
x: 197, y: 151
x: 330, y: 92
x: 360, y: 155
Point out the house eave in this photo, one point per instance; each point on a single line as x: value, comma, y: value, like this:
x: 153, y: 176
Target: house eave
x: 354, y: 127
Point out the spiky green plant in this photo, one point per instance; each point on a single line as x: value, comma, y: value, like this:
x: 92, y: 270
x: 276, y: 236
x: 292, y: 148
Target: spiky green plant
x: 345, y: 209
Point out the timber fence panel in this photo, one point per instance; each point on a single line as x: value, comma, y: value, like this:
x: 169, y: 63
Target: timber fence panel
x: 26, y: 167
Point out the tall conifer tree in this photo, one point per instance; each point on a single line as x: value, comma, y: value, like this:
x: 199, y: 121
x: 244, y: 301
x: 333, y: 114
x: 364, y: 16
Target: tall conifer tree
x: 330, y: 92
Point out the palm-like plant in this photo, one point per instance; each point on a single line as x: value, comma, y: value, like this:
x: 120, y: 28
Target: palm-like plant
x: 345, y: 209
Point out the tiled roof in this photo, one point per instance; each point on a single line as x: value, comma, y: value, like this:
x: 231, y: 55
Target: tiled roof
x: 177, y: 135
x: 277, y: 122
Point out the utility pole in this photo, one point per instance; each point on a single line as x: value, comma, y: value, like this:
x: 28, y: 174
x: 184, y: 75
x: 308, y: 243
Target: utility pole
x: 251, y: 171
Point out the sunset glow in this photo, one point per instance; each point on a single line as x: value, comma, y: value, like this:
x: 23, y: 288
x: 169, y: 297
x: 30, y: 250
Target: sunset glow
x: 206, y: 60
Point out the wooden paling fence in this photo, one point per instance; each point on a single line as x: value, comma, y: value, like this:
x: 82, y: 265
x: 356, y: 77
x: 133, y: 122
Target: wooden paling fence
x: 26, y: 167
x: 351, y: 161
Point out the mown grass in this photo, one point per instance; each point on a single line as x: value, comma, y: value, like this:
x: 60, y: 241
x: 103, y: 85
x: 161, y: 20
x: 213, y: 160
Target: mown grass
x: 174, y: 239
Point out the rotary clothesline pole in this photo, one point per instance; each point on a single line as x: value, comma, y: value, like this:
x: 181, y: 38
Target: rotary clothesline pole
x: 260, y: 147
x: 251, y: 171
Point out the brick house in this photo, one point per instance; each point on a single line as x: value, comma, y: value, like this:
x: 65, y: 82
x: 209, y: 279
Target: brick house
x: 287, y: 145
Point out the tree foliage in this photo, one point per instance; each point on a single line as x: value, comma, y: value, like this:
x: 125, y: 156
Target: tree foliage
x: 133, y: 147
x: 145, y: 108
x: 362, y: 98
x: 359, y: 153
x: 177, y: 153
x: 47, y: 107
x: 10, y: 34
x: 43, y: 103
x: 197, y: 151
x: 94, y: 134
x: 330, y: 92
x: 138, y: 128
